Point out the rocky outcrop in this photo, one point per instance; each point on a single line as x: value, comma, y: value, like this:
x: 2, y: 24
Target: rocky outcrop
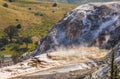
x: 105, y: 71
x: 83, y: 30
x: 95, y: 24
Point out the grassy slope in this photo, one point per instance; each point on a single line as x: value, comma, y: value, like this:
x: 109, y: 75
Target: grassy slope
x: 28, y: 19
x: 32, y: 24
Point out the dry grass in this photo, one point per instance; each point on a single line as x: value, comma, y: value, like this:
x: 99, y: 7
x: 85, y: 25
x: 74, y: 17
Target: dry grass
x: 23, y: 12
x: 18, y: 13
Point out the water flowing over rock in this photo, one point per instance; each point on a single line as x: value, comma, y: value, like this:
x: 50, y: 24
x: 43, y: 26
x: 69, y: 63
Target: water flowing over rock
x: 93, y: 24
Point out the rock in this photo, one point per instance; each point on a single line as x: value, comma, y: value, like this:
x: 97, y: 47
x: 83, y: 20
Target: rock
x: 104, y: 72
x: 95, y: 24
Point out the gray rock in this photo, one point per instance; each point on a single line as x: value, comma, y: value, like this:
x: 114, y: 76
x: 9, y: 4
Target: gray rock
x: 95, y: 24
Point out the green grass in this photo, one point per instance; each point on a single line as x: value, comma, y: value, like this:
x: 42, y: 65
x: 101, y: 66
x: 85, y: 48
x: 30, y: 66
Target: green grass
x: 35, y: 22
x: 19, y: 11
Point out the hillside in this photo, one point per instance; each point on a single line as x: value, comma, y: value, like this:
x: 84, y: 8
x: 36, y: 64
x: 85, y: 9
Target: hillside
x: 87, y: 25
x: 32, y: 15
x: 36, y: 18
x: 84, y: 44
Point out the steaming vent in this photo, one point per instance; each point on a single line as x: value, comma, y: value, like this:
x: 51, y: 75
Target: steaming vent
x: 95, y: 24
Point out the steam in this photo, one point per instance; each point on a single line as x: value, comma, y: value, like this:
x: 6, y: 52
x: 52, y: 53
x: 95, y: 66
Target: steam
x: 106, y: 25
x: 77, y: 54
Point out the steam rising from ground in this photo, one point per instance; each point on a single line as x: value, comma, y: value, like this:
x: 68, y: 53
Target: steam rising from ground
x: 77, y: 54
x: 66, y: 56
x: 58, y: 58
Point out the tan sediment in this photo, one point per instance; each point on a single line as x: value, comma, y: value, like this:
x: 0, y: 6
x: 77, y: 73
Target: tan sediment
x: 61, y: 57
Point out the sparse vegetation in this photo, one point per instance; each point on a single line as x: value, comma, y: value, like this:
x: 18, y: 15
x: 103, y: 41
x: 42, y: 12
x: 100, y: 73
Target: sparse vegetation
x: 38, y: 14
x: 24, y: 19
x: 55, y: 5
x: 11, y: 31
x: 27, y: 40
x: 19, y: 26
x: 5, y: 5
x: 3, y: 41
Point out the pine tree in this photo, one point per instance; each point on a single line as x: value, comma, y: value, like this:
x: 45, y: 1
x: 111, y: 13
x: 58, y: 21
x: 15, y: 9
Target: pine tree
x: 112, y: 65
x: 114, y: 68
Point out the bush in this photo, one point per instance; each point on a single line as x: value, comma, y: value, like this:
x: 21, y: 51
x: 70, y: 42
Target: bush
x: 29, y: 8
x: 19, y: 26
x: 17, y: 19
x: 1, y: 58
x: 11, y: 31
x: 54, y: 5
x: 53, y: 11
x: 5, y: 5
x: 3, y: 41
x: 38, y: 14
x: 15, y: 47
x: 27, y: 40
x: 24, y: 39
x: 19, y: 40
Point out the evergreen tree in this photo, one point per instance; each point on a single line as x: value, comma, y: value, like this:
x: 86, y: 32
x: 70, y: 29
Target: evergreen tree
x: 114, y: 68
x: 11, y: 32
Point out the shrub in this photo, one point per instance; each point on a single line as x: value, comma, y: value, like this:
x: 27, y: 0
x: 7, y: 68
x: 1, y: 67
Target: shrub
x: 11, y: 31
x: 3, y: 41
x: 1, y: 58
x: 53, y: 11
x: 29, y: 8
x: 19, y: 26
x: 38, y: 14
x: 19, y: 40
x: 15, y: 46
x: 5, y: 5
x: 17, y: 19
x: 24, y: 39
x: 54, y: 5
